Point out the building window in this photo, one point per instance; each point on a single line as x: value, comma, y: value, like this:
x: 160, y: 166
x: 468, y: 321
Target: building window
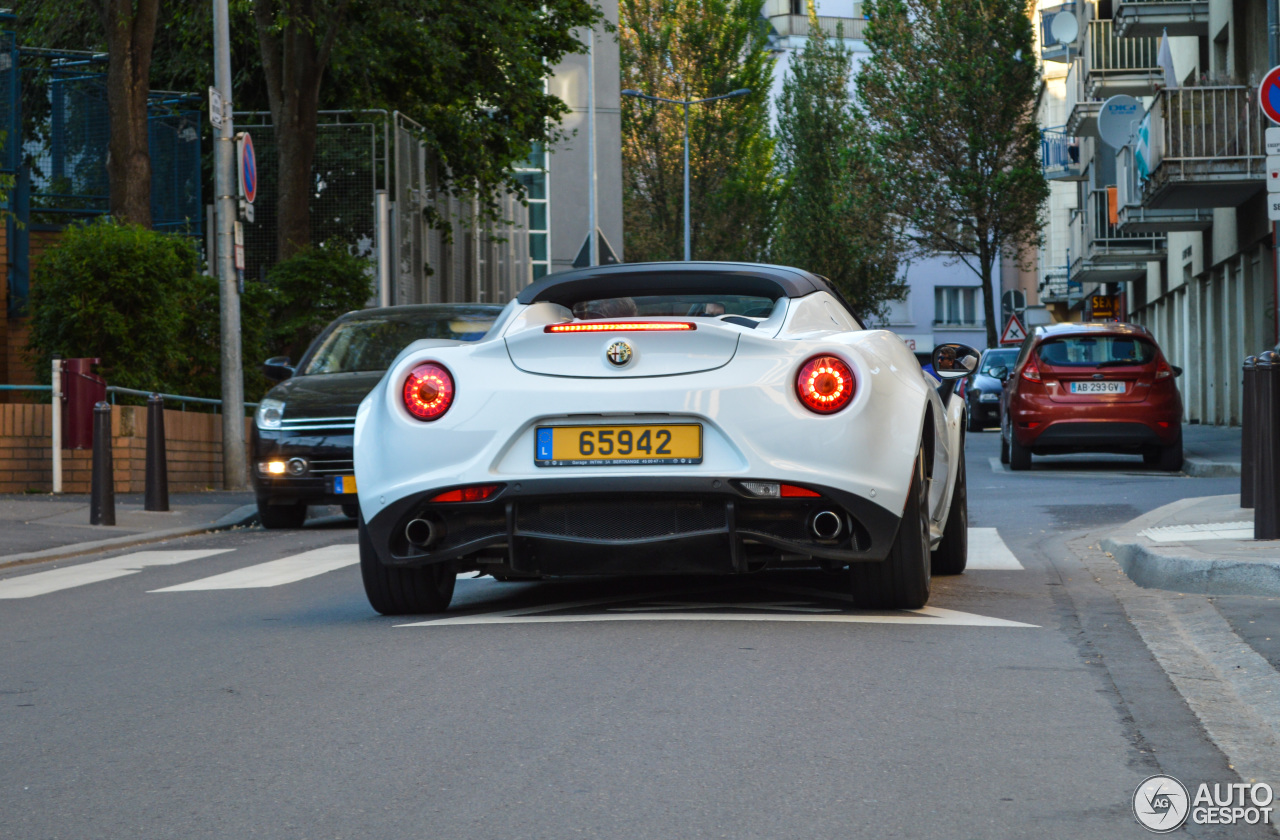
x: 533, y: 174
x: 957, y: 306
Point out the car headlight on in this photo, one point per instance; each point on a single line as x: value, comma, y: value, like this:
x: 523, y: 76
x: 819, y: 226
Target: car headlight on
x: 270, y: 413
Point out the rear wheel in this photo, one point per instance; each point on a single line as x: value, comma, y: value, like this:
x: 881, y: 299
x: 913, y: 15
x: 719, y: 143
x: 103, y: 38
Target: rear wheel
x: 403, y: 591
x: 972, y: 424
x: 277, y: 517
x: 1171, y: 456
x: 1019, y: 455
x: 953, y: 552
x: 1004, y: 444
x: 901, y: 581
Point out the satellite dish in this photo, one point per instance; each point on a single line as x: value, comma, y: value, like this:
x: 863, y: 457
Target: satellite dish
x: 1118, y: 119
x: 1064, y: 28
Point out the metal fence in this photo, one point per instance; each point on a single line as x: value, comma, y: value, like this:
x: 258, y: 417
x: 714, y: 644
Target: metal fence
x: 1111, y: 55
x: 1059, y: 154
x: 349, y: 166
x: 1207, y: 129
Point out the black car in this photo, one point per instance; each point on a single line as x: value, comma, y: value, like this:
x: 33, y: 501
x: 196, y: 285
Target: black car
x: 301, y: 441
x: 982, y: 396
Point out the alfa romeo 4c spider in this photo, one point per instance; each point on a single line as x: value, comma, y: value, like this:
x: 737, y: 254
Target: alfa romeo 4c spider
x: 660, y: 419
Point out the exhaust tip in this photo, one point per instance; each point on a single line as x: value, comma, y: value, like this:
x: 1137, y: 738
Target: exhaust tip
x: 421, y: 532
x: 826, y: 525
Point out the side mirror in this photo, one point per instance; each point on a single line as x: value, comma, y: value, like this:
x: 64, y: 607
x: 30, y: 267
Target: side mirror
x: 954, y: 361
x: 1177, y: 371
x: 277, y: 368
x: 1000, y: 372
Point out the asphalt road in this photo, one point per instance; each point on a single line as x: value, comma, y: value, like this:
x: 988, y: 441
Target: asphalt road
x: 1021, y: 704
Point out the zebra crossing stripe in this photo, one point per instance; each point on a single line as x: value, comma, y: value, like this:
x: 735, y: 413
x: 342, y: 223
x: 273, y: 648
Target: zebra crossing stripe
x: 291, y: 569
x: 988, y: 551
x: 55, y: 580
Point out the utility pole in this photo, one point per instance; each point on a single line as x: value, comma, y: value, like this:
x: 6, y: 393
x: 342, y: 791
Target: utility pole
x: 234, y: 470
x: 593, y: 246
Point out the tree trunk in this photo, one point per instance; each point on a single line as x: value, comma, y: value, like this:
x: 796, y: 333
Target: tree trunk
x: 130, y: 35
x: 987, y: 259
x: 294, y: 58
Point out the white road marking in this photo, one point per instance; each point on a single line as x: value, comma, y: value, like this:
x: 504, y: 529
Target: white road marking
x: 988, y: 551
x: 276, y: 572
x: 929, y: 615
x: 1125, y: 470
x: 1207, y: 531
x: 54, y: 580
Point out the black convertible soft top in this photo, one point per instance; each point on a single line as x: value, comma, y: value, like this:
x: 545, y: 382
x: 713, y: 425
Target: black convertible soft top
x: 677, y: 278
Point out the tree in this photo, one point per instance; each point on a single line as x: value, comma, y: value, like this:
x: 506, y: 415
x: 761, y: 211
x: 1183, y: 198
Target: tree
x: 472, y: 71
x: 692, y: 49
x: 832, y: 216
x: 950, y: 88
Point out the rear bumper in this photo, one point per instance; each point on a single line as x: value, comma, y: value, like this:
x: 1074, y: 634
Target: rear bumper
x: 1096, y: 436
x: 635, y: 525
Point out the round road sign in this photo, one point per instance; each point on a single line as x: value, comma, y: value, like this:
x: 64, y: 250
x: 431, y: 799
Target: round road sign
x: 248, y: 168
x: 1269, y: 94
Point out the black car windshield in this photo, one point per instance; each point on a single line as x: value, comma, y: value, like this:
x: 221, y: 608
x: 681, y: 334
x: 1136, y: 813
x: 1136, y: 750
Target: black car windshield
x: 997, y: 358
x: 372, y: 345
x: 684, y: 306
x: 1097, y: 350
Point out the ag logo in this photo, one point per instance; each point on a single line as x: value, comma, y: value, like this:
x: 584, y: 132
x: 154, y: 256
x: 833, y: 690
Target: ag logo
x: 619, y: 353
x: 1161, y: 804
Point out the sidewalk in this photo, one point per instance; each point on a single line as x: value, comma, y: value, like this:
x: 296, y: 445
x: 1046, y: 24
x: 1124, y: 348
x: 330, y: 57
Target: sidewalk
x: 1200, y: 545
x: 46, y: 527
x: 1211, y: 451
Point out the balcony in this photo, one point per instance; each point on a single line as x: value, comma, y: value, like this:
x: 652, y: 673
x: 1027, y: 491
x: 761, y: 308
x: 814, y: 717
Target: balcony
x: 787, y: 25
x: 1108, y: 66
x: 1050, y: 49
x: 1115, y: 65
x: 1057, y: 287
x: 1060, y: 156
x: 1206, y: 148
x: 1101, y: 252
x: 1149, y: 18
x: 1133, y: 217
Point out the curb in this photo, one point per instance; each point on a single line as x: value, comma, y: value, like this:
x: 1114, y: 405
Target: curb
x: 1204, y: 468
x: 1208, y: 576
x: 243, y: 515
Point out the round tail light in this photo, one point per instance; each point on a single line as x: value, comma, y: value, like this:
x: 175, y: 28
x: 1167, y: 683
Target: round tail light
x: 428, y: 391
x: 825, y: 384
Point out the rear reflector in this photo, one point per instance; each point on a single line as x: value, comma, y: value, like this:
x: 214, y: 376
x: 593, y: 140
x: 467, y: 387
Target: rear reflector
x: 622, y: 326
x: 773, y: 490
x: 478, y: 493
x: 790, y: 491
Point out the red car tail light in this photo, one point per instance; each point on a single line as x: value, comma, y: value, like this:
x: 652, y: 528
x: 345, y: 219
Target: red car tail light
x: 428, y: 391
x: 1031, y: 371
x: 790, y: 491
x: 622, y: 326
x: 1163, y: 371
x: 825, y: 384
x: 476, y: 493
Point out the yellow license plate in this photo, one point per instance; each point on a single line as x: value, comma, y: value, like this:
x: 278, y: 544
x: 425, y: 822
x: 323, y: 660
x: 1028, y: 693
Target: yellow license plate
x: 569, y: 446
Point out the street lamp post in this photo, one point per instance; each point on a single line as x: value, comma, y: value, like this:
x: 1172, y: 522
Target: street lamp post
x: 686, y: 103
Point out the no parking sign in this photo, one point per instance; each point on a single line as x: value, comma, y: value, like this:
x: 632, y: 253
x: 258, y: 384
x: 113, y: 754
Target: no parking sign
x: 1269, y: 94
x: 248, y: 165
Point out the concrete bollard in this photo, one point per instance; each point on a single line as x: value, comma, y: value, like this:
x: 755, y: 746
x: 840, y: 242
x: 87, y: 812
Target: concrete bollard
x: 1248, y: 429
x: 157, y: 486
x: 1266, y: 462
x: 102, y: 491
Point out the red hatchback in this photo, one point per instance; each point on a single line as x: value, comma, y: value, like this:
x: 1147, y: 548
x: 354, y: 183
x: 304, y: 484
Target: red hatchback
x: 1091, y: 388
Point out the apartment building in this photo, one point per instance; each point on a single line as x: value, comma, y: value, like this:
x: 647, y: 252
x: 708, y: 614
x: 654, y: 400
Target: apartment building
x: 1167, y: 225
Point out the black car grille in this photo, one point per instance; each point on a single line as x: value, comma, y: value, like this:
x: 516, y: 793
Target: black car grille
x: 336, y: 467
x: 620, y: 519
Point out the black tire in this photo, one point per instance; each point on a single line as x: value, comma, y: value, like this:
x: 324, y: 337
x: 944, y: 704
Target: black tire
x: 972, y: 424
x: 1171, y: 456
x: 1019, y: 455
x: 953, y: 552
x: 403, y: 591
x: 351, y: 511
x: 279, y: 517
x: 1151, y: 456
x: 900, y: 581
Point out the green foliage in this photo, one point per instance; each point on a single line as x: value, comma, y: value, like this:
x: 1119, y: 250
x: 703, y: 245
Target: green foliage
x: 135, y: 299
x: 309, y: 290
x: 950, y: 89
x: 832, y: 216
x: 692, y: 49
x: 117, y: 292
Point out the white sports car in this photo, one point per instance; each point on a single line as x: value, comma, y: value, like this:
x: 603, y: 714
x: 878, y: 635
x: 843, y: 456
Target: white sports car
x: 664, y: 418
